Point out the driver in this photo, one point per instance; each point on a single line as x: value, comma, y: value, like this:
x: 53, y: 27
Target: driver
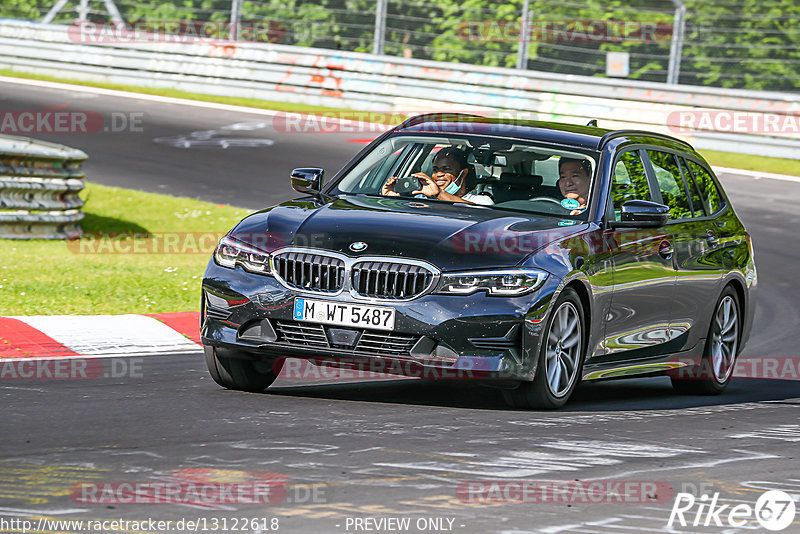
x: 451, y: 180
x: 574, y: 180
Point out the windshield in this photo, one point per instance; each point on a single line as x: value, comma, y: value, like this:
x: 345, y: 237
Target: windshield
x: 490, y: 172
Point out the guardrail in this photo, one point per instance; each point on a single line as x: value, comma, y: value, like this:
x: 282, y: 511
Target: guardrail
x: 387, y: 84
x: 39, y: 186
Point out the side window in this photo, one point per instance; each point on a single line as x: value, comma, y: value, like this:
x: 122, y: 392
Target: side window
x: 712, y: 199
x: 629, y: 182
x: 694, y: 195
x: 670, y: 182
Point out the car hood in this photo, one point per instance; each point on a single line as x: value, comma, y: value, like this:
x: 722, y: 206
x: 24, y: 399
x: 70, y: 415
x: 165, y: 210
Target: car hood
x: 451, y: 237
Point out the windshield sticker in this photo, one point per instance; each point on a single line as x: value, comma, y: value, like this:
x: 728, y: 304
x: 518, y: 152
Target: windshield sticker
x: 566, y: 223
x: 570, y: 204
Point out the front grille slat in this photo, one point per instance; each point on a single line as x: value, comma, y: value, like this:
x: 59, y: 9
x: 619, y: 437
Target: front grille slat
x: 310, y: 272
x: 390, y: 280
x: 321, y: 273
x: 301, y: 334
x: 370, y: 342
x: 385, y: 342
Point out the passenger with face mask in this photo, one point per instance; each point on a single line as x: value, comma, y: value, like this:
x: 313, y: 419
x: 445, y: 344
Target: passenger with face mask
x: 450, y: 181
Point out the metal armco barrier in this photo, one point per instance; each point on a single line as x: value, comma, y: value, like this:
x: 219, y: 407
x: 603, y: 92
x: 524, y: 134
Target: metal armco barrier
x: 388, y: 84
x: 39, y: 186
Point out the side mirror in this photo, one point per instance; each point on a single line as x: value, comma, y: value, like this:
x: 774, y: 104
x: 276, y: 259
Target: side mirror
x: 307, y: 180
x: 642, y: 214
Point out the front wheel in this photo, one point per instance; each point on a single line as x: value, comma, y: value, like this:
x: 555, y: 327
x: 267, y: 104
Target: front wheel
x: 230, y: 370
x: 560, y: 359
x: 719, y: 356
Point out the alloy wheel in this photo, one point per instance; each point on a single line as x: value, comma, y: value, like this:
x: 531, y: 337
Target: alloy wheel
x: 725, y: 339
x: 562, y: 354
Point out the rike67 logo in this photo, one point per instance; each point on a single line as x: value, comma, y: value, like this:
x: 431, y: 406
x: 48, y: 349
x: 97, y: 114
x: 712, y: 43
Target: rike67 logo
x: 774, y: 510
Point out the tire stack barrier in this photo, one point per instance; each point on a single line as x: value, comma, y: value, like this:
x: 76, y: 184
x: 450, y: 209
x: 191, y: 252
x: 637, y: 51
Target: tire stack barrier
x: 39, y: 186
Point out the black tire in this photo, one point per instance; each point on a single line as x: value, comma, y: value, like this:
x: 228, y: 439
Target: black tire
x: 538, y: 394
x: 243, y: 374
x: 703, y: 379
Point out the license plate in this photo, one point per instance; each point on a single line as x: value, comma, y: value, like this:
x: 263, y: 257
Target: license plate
x: 343, y: 314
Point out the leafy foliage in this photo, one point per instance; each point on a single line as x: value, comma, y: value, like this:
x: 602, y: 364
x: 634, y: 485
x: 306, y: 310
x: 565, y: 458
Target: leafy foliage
x: 728, y: 43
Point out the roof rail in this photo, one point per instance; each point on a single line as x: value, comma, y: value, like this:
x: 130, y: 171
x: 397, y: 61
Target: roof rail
x: 618, y: 133
x: 429, y: 117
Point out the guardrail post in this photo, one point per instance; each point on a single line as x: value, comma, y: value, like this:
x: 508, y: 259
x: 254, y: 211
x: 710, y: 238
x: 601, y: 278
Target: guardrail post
x: 236, y: 15
x: 380, y: 27
x: 676, y: 46
x: 83, y: 11
x: 39, y: 186
x: 524, y: 34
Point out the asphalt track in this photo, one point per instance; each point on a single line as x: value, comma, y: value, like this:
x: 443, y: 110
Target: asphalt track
x: 384, y: 449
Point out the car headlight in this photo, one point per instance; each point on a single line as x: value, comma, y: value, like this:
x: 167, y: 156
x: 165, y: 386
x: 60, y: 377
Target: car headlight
x: 230, y: 253
x: 501, y: 282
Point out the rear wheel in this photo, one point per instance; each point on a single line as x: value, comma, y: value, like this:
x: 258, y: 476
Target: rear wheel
x: 719, y: 356
x: 230, y: 370
x: 560, y: 359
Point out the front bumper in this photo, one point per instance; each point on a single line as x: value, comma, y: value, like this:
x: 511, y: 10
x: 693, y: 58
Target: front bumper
x: 440, y: 336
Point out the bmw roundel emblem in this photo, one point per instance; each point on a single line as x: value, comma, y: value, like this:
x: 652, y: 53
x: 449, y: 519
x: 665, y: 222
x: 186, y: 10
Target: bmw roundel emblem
x: 358, y: 246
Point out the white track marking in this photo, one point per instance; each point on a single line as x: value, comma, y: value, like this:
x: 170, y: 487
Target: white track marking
x: 757, y: 175
x: 196, y: 350
x: 138, y: 96
x: 22, y: 512
x: 90, y: 335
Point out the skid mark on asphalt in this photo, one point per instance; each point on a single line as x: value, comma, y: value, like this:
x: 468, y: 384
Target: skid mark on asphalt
x: 781, y: 432
x: 638, y: 415
x: 219, y: 138
x: 747, y: 456
x: 570, y: 456
x: 301, y: 448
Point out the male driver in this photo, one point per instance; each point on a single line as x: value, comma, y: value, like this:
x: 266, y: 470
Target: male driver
x: 574, y: 181
x: 451, y: 180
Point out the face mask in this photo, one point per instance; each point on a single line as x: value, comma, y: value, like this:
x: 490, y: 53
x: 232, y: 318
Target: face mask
x: 453, y: 187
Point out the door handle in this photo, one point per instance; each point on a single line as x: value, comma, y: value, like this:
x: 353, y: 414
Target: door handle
x: 712, y: 239
x: 665, y: 249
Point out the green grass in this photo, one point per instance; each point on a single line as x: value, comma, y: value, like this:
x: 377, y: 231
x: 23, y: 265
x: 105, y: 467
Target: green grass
x: 752, y: 163
x: 58, y: 277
